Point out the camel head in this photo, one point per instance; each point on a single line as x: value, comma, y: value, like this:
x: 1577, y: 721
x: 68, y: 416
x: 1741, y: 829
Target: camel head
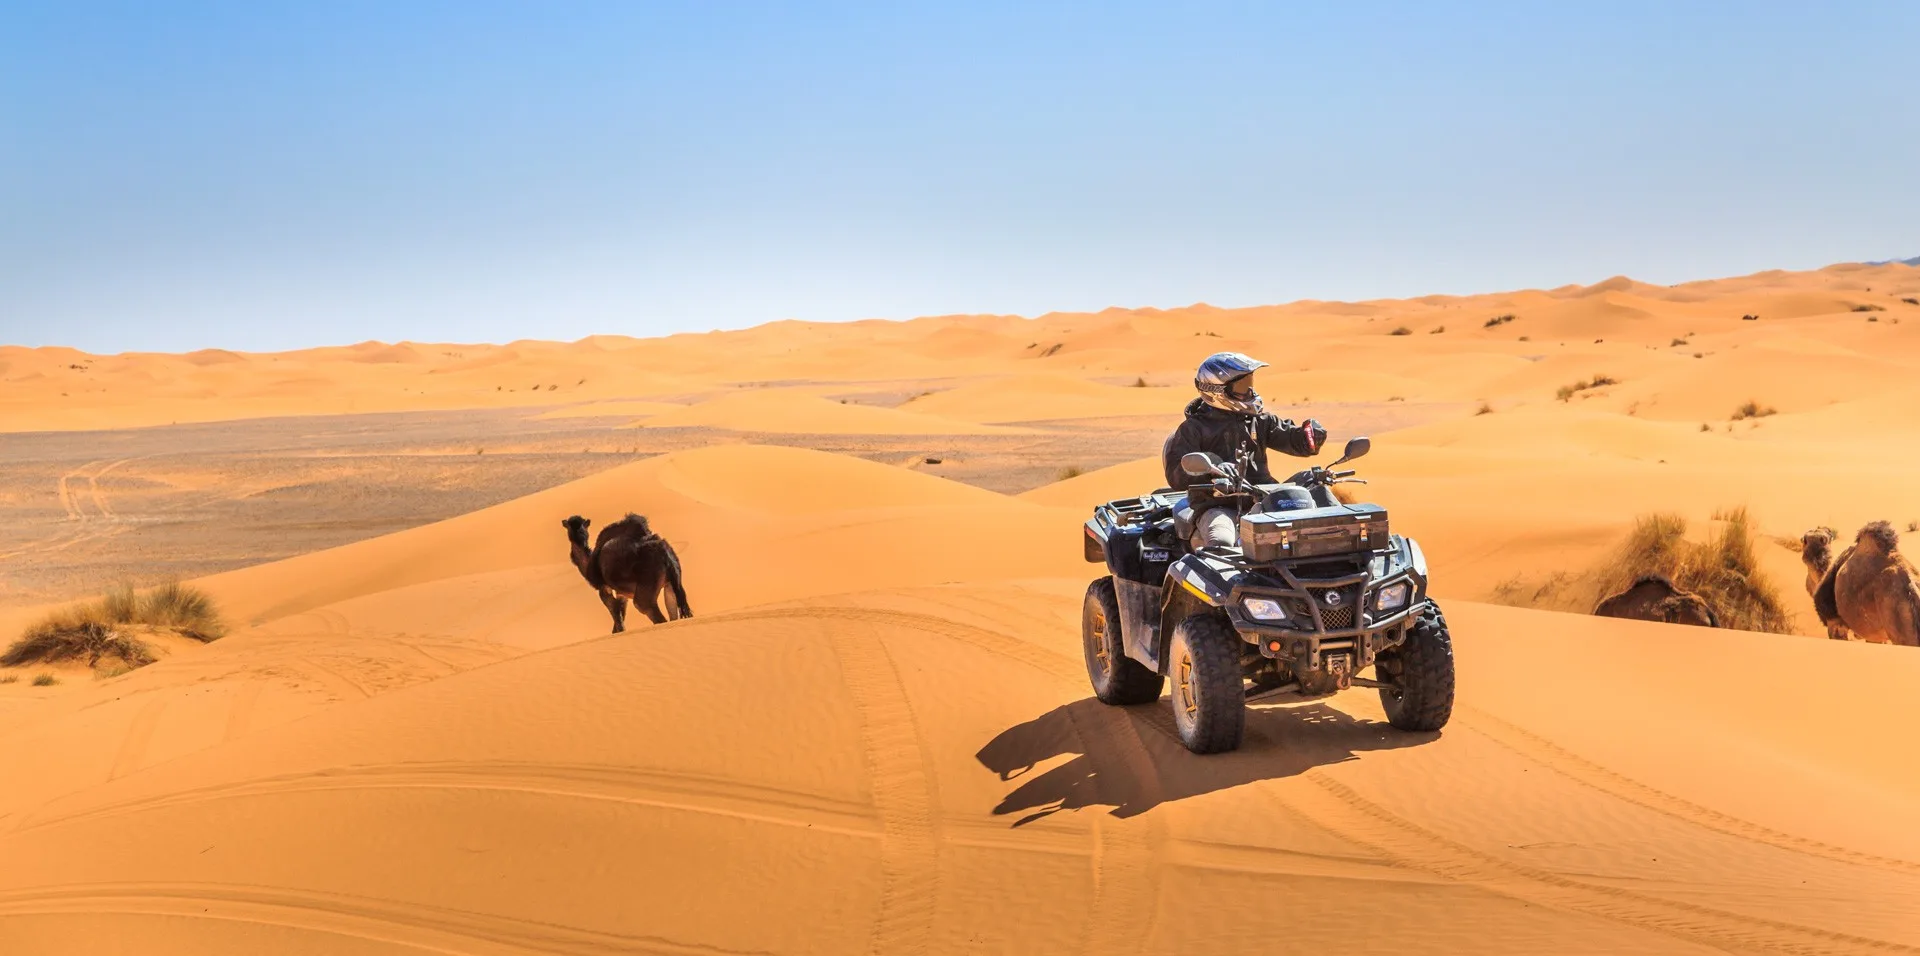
x: 1816, y: 548
x: 1878, y: 535
x: 576, y: 530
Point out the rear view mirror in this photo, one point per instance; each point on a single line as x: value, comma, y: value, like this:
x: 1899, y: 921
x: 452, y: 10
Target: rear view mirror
x: 1355, y: 448
x: 1199, y: 464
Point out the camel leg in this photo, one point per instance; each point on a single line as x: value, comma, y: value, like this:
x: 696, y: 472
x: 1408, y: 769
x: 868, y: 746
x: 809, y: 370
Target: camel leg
x: 616, y: 606
x: 648, y: 602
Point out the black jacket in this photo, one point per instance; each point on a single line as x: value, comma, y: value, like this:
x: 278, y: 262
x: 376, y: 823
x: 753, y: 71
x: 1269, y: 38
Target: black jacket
x: 1223, y: 433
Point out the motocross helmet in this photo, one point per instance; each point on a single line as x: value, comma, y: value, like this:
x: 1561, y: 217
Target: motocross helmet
x: 1225, y: 382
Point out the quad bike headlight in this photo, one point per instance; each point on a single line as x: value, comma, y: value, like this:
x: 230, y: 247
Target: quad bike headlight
x: 1263, y: 609
x: 1393, y: 597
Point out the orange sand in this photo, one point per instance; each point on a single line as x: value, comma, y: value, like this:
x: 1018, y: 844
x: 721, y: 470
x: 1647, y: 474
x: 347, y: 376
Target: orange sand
x: 876, y: 735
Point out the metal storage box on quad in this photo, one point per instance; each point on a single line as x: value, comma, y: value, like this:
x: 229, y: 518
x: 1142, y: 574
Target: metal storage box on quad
x: 1317, y: 591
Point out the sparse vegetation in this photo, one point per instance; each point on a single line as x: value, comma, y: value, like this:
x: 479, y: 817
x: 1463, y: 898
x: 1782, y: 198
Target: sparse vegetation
x: 1140, y: 382
x: 1071, y: 471
x: 9, y: 678
x: 1567, y: 392
x: 1499, y: 320
x: 1679, y: 342
x: 1750, y: 318
x: 1913, y: 526
x: 1526, y: 338
x: 1436, y: 330
x: 45, y: 680
x: 1485, y: 409
x: 1402, y: 330
x: 1723, y: 570
x: 1705, y: 427
x: 1873, y: 318
x: 1868, y: 308
x: 110, y: 628
x: 1053, y: 349
x: 1752, y: 409
x: 1910, y: 300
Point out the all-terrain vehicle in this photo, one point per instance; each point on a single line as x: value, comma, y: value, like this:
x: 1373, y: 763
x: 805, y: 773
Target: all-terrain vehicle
x: 1316, y: 591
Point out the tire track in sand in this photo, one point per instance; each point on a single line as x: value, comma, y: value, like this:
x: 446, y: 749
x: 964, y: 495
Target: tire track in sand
x: 1126, y: 862
x: 903, y: 789
x: 133, y: 747
x: 434, y: 929
x: 674, y: 791
x: 1344, y: 811
x: 1545, y: 753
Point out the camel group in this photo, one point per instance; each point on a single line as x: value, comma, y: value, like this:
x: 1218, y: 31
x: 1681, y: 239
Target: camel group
x: 629, y: 562
x: 1870, y: 590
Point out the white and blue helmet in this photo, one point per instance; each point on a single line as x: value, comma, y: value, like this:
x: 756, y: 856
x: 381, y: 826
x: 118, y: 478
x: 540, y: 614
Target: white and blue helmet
x: 1222, y: 382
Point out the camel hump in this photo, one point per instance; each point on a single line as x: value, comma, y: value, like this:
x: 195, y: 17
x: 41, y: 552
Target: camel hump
x: 1882, y: 535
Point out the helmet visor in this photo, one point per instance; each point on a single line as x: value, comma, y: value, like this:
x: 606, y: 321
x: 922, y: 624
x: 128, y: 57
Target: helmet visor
x: 1242, y: 387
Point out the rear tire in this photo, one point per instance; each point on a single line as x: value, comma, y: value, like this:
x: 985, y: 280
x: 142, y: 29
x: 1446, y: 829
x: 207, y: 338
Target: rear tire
x: 1116, y: 678
x: 1422, y: 696
x: 1209, y: 699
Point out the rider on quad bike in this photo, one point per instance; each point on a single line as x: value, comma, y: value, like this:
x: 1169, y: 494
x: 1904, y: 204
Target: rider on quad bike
x: 1229, y: 421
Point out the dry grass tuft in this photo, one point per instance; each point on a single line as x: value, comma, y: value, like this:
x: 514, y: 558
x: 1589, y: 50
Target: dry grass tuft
x: 1140, y: 382
x: 1485, y: 409
x: 1753, y: 409
x: 1723, y: 570
x: 1869, y: 308
x: 9, y: 678
x: 1567, y: 392
x: 1911, y: 300
x: 45, y: 680
x: 1402, y: 330
x: 1436, y: 330
x: 106, y: 629
x: 1499, y: 320
x: 1913, y: 526
x: 1071, y: 471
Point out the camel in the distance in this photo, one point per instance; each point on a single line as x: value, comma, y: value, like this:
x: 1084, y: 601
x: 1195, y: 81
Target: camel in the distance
x: 1816, y: 552
x: 1872, y: 590
x: 628, y: 562
x: 1654, y: 598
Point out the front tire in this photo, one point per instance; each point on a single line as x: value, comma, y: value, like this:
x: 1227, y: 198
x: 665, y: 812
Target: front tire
x: 1116, y: 678
x: 1209, y: 700
x: 1421, y: 670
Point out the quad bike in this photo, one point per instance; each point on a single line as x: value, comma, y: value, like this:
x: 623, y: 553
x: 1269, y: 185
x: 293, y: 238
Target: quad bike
x: 1316, y: 591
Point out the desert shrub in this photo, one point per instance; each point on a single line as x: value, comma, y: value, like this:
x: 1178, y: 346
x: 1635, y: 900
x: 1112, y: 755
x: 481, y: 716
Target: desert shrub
x: 1750, y: 318
x: 108, y: 629
x: 1868, y: 308
x: 1911, y: 300
x: 1679, y: 342
x: 1706, y: 427
x: 1526, y: 338
x: 1402, y: 330
x: 1567, y: 392
x: 1752, y: 409
x: 1873, y: 318
x: 187, y: 610
x: 45, y: 680
x: 1485, y: 409
x: 1723, y: 570
x: 1071, y: 471
x: 1140, y: 382
x: 9, y: 678
x: 1499, y: 320
x: 1436, y: 330
x: 1913, y: 526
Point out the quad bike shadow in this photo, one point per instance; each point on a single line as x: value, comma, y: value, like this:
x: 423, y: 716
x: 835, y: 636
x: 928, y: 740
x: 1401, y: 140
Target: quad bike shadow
x: 1131, y: 758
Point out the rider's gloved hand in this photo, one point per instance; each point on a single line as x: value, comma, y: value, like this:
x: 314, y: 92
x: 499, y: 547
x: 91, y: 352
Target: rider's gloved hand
x: 1316, y: 435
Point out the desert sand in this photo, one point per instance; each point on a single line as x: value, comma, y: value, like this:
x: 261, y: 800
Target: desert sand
x: 876, y: 736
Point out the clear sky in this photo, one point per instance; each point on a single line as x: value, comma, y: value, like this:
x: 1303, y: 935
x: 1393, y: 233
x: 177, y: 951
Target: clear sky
x: 273, y: 175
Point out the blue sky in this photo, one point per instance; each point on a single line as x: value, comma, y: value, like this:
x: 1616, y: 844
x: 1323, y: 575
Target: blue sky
x: 259, y: 176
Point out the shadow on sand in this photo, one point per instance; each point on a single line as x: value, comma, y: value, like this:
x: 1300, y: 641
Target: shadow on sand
x: 1130, y: 759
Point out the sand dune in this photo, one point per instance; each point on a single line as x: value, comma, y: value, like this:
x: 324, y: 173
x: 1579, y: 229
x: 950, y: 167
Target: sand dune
x: 875, y: 734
